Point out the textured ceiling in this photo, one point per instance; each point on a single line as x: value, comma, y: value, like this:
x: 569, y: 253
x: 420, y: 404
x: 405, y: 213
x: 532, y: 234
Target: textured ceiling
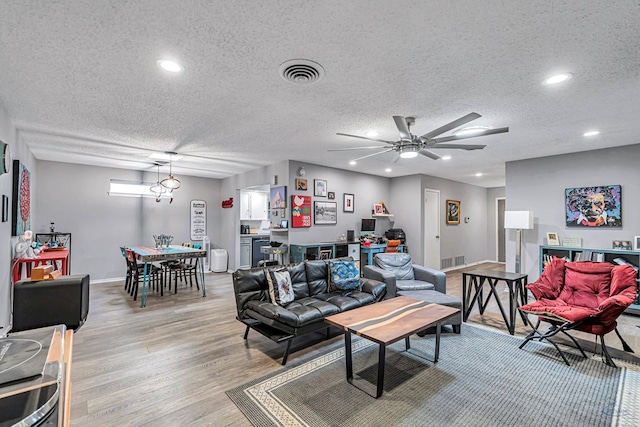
x: 80, y: 80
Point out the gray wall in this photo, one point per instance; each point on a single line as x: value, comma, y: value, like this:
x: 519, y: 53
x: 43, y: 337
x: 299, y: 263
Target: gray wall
x: 19, y: 151
x: 538, y: 185
x: 75, y: 198
x: 406, y: 196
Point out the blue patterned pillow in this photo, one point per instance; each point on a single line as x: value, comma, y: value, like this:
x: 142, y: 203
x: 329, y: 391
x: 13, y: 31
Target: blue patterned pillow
x: 344, y: 275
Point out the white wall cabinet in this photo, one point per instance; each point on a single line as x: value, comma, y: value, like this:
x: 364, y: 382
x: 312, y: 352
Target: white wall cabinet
x: 254, y: 205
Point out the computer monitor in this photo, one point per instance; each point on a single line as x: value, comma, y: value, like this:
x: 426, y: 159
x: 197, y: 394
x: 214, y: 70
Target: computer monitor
x: 368, y: 226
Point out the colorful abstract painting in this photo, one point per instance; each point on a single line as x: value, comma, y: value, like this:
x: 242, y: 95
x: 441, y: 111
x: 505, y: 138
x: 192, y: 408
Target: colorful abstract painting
x: 21, y: 219
x: 300, y: 211
x: 594, y: 206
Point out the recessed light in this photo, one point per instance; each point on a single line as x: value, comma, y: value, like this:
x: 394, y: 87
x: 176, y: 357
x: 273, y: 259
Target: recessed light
x: 591, y: 133
x: 558, y: 78
x: 352, y: 162
x: 446, y: 157
x: 387, y: 170
x: 479, y: 174
x: 169, y: 65
x: 471, y: 130
x: 372, y: 134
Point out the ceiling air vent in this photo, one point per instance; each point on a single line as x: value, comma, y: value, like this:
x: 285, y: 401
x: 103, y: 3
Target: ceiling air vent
x: 301, y: 71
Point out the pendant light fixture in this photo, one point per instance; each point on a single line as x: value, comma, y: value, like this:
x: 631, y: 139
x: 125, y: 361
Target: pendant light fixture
x: 157, y: 189
x: 170, y: 183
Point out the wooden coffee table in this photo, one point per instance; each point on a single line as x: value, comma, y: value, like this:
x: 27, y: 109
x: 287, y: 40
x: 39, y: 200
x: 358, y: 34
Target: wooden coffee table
x: 387, y: 322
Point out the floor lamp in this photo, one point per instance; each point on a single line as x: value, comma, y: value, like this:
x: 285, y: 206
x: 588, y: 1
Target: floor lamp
x: 518, y: 220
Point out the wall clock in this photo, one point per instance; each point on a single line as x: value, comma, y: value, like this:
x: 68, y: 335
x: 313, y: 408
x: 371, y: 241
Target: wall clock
x: 5, y: 166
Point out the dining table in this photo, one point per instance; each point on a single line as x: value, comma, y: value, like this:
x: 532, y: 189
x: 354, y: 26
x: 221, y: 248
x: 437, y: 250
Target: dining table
x: 147, y: 255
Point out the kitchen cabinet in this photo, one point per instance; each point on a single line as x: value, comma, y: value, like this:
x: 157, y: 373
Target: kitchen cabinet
x: 254, y: 205
x: 245, y: 252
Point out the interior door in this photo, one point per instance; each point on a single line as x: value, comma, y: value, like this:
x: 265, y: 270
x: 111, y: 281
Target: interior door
x: 431, y: 222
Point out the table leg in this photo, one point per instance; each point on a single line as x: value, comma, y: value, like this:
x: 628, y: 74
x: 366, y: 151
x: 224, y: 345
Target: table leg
x: 145, y: 285
x: 348, y: 356
x: 370, y: 258
x: 204, y: 290
x: 437, y: 350
x: 407, y: 343
x: 380, y: 382
x: 494, y: 291
x: 513, y: 303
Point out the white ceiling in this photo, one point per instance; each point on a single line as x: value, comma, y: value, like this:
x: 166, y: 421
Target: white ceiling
x: 80, y: 80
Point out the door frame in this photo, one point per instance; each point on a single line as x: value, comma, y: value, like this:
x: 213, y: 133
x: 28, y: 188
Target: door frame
x: 498, y: 231
x: 424, y: 221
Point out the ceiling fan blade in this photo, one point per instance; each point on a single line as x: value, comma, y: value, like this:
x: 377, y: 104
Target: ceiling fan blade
x: 364, y: 137
x: 454, y: 124
x: 356, y: 148
x: 374, y: 154
x: 401, y: 124
x: 474, y: 135
x: 458, y: 146
x: 429, y: 154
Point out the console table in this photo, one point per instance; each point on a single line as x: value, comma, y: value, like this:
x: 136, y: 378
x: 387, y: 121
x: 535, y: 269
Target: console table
x: 474, y: 280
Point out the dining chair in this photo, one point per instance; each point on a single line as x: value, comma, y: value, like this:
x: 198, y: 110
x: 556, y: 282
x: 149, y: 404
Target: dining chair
x: 392, y: 245
x: 135, y: 271
x: 183, y: 269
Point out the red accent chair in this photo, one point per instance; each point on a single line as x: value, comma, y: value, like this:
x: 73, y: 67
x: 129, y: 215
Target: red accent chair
x: 585, y: 296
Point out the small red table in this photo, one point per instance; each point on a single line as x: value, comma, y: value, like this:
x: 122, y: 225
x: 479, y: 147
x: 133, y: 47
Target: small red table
x: 43, y: 258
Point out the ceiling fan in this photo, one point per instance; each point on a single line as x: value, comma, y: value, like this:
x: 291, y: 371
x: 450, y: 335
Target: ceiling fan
x: 410, y: 145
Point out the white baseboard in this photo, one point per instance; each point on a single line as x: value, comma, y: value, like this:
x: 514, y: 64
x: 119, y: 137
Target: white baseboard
x: 458, y: 267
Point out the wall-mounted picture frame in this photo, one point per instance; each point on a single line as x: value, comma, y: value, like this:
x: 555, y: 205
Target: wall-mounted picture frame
x: 592, y: 207
x: 331, y: 195
x: 278, y: 197
x: 300, y: 211
x: 21, y: 203
x: 301, y: 184
x: 453, y: 212
x: 378, y: 209
x: 325, y: 213
x: 5, y: 208
x: 348, y: 203
x: 553, y: 239
x: 320, y: 188
x: 636, y: 243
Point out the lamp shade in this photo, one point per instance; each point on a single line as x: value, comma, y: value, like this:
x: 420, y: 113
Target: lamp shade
x: 518, y: 219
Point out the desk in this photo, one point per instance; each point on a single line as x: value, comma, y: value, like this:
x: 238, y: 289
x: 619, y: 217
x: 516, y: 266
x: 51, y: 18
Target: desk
x: 475, y: 279
x: 147, y: 255
x: 42, y: 258
x: 376, y: 249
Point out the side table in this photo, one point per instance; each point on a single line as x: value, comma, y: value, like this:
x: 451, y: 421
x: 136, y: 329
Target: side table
x: 473, y: 282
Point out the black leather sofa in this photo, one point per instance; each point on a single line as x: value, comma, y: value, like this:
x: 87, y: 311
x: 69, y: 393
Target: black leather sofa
x: 306, y: 313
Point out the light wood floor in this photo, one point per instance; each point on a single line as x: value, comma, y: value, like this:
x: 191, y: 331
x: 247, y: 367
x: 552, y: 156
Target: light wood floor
x: 169, y: 364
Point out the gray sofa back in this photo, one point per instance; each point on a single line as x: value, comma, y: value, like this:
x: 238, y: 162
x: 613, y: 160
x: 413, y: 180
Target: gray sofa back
x: 399, y: 264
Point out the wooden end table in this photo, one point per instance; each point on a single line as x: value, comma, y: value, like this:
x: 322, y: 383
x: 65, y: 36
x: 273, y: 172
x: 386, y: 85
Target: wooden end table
x: 387, y: 322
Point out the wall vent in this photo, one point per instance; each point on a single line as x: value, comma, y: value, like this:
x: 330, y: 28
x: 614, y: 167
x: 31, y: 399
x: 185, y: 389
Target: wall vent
x: 459, y: 260
x: 446, y: 263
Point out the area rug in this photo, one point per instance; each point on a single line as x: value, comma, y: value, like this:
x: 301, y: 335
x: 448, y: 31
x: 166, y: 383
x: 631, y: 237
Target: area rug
x: 481, y: 379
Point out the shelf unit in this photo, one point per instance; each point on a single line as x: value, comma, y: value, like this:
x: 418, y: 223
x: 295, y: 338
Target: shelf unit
x: 312, y: 251
x: 632, y: 257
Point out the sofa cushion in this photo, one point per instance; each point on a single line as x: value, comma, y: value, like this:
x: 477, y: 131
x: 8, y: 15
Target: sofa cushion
x: 344, y: 275
x: 280, y: 286
x: 316, y: 276
x: 586, y: 284
x: 297, y: 314
x: 346, y: 300
x: 413, y: 285
x: 397, y: 263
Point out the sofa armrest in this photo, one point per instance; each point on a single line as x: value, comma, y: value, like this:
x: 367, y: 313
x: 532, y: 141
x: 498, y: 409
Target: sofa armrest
x: 426, y: 274
x: 374, y: 287
x: 377, y: 273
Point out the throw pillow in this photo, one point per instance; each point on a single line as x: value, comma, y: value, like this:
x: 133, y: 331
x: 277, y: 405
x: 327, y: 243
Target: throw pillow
x: 280, y: 286
x: 344, y: 275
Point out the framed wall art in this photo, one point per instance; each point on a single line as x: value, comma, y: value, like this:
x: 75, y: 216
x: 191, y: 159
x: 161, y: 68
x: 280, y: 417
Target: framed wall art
x: 300, y: 211
x: 453, y: 212
x: 348, y: 201
x: 552, y: 239
x: 636, y: 243
x: 278, y: 197
x: 320, y: 188
x: 378, y: 209
x: 331, y: 195
x: 21, y: 209
x: 301, y: 184
x: 594, y: 206
x: 325, y: 213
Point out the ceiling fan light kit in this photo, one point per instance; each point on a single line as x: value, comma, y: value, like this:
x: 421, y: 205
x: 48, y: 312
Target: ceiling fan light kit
x: 410, y: 145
